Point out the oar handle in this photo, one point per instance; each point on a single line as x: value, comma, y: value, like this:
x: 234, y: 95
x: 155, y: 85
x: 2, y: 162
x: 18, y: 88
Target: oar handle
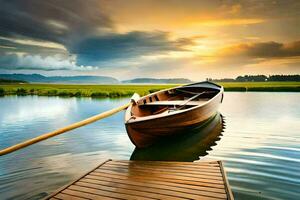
x: 63, y: 130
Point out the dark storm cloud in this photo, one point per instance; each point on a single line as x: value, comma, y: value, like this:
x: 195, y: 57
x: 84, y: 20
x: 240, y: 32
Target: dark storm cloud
x: 62, y: 22
x: 266, y: 50
x: 81, y: 27
x: 133, y: 44
x: 51, y: 20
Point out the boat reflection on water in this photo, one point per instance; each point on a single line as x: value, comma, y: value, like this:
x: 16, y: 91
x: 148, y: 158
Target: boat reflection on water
x: 186, y: 146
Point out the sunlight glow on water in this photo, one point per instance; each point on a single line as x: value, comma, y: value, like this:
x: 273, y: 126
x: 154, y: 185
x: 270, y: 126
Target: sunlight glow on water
x: 260, y: 145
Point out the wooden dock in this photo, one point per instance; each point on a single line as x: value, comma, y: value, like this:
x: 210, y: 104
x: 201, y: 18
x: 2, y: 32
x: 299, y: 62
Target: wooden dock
x: 150, y: 180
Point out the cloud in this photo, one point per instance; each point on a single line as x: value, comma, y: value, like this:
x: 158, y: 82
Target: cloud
x: 264, y: 50
x: 36, y: 34
x: 254, y: 58
x: 32, y: 43
x: 8, y: 45
x: 36, y: 62
x: 110, y: 50
x: 51, y: 20
x: 95, y: 50
x: 60, y: 35
x: 50, y: 29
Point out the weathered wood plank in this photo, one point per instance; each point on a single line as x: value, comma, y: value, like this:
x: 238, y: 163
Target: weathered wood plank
x: 150, y: 180
x: 68, y: 197
x: 171, y: 191
x: 113, y: 193
x: 171, y: 164
x: 161, y: 176
x: 165, y: 169
x: 169, y: 169
x: 155, y: 183
x: 87, y: 195
x: 152, y: 172
x: 130, y: 190
x: 187, y: 182
x: 175, y: 167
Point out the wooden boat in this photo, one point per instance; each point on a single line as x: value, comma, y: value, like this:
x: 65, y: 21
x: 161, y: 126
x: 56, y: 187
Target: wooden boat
x: 189, y: 146
x: 168, y: 112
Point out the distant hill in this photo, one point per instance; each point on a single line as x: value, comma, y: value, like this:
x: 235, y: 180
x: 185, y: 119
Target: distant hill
x: 37, y: 78
x: 5, y: 81
x: 154, y: 80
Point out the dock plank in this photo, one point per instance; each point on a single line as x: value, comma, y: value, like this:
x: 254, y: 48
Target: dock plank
x: 160, y: 176
x: 165, y: 169
x: 150, y: 180
x: 83, y: 195
x: 183, y: 182
x: 155, y: 183
x: 154, y: 189
x: 149, y: 171
x: 174, y: 167
x: 68, y: 197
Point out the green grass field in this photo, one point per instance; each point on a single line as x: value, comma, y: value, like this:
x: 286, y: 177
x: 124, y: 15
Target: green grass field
x: 262, y: 86
x: 128, y: 90
x: 79, y: 90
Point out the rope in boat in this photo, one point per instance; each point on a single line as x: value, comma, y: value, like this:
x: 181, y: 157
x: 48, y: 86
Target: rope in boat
x: 63, y: 130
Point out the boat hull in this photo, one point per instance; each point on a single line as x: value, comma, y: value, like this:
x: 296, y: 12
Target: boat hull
x: 186, y: 147
x: 145, y: 133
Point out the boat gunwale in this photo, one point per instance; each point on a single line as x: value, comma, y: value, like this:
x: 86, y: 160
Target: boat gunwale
x: 151, y: 117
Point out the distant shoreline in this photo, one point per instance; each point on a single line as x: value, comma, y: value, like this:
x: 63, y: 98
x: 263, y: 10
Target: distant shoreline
x: 126, y: 90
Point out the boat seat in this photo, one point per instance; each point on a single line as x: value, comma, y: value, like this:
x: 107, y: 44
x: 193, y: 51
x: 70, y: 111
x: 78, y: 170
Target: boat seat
x: 173, y: 103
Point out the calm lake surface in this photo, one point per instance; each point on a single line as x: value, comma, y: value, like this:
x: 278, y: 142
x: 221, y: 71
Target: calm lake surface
x: 257, y: 136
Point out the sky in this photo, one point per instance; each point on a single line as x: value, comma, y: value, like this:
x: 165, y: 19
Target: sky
x: 150, y: 38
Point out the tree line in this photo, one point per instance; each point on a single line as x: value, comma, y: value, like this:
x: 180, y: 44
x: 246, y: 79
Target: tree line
x: 259, y: 78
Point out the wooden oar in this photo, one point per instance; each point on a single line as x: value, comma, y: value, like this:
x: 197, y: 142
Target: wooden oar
x: 63, y: 130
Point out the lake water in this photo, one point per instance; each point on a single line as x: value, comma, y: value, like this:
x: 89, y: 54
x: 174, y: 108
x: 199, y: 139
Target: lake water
x: 257, y: 135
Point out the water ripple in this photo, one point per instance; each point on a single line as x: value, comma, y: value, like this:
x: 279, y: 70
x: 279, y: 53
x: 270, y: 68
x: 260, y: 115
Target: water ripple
x: 258, y: 142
